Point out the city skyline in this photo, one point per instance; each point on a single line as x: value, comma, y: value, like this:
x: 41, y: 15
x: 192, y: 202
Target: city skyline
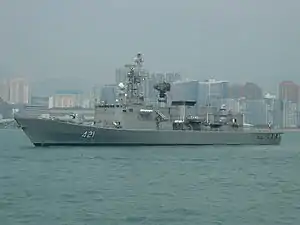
x: 258, y: 106
x: 57, y: 85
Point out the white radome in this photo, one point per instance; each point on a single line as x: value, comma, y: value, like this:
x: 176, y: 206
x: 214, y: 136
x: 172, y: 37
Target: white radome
x: 121, y: 86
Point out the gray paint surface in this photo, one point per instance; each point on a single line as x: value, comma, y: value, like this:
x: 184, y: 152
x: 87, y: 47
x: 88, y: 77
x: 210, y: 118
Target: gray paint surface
x: 52, y: 132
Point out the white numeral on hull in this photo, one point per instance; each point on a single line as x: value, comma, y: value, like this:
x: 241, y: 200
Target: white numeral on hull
x: 88, y: 134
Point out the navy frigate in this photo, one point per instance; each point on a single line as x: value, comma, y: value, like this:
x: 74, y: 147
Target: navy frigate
x: 131, y: 121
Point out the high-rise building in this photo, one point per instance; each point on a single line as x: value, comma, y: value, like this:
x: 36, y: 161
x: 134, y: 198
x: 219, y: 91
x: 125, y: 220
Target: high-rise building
x: 66, y: 99
x: 290, y: 114
x: 278, y: 113
x: 95, y: 94
x: 252, y: 91
x: 270, y: 101
x: 121, y: 75
x: 235, y: 91
x: 184, y: 91
x: 109, y: 94
x: 289, y: 91
x: 171, y: 77
x: 19, y: 91
x: 256, y: 112
x: 211, y: 92
x: 4, y: 90
x: 289, y: 97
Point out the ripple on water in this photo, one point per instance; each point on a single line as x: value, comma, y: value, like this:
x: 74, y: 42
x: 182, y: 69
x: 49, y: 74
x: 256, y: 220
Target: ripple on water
x: 228, y: 186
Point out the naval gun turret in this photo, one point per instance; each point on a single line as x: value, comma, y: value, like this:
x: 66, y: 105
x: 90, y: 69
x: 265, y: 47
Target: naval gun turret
x: 162, y: 88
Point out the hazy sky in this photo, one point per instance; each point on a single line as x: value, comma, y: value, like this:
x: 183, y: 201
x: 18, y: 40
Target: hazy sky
x: 236, y: 40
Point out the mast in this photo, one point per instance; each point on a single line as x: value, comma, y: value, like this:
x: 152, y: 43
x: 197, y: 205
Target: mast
x: 134, y: 79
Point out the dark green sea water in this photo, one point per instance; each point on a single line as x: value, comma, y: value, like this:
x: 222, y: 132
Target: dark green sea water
x: 149, y: 185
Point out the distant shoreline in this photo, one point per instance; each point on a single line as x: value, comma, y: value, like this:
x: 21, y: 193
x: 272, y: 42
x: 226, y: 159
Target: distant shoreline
x: 291, y: 130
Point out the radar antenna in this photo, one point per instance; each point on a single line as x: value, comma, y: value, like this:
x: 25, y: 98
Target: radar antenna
x: 162, y: 88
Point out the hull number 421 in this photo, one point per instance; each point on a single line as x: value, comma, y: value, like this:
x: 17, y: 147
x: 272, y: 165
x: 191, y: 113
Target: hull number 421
x: 88, y: 134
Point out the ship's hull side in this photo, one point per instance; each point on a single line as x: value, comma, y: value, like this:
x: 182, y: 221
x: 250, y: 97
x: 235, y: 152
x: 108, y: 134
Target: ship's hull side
x: 44, y: 132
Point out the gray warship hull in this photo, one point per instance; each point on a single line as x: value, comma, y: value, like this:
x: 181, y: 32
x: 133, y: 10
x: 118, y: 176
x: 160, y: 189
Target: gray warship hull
x: 46, y: 132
